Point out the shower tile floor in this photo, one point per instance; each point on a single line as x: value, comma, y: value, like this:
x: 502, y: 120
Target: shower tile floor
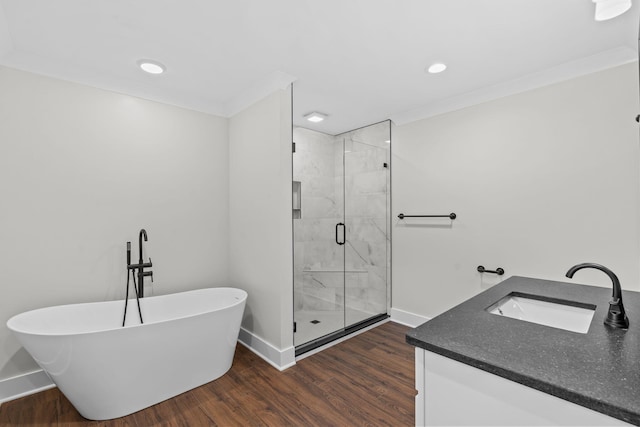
x: 313, y: 324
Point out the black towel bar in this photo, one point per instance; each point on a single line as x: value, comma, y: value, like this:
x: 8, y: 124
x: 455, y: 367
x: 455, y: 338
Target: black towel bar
x: 499, y: 271
x: 450, y: 216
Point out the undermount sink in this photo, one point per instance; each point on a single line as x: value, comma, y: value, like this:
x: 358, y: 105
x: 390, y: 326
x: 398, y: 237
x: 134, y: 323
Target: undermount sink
x: 567, y: 315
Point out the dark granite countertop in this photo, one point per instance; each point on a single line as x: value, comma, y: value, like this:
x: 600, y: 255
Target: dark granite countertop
x: 599, y: 370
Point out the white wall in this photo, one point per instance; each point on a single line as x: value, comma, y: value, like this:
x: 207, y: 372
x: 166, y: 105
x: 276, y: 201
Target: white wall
x: 81, y: 171
x: 540, y: 181
x: 261, y: 217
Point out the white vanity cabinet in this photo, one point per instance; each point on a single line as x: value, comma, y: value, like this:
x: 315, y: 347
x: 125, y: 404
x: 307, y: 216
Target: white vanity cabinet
x: 451, y: 393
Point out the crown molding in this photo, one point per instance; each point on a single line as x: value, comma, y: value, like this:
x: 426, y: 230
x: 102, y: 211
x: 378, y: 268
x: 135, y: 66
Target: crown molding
x: 260, y: 89
x: 90, y: 77
x: 566, y: 71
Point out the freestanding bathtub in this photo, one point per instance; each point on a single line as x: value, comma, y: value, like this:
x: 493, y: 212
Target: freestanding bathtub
x: 108, y: 371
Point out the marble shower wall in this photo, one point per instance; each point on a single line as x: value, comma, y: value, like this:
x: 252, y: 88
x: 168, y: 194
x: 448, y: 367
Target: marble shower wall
x: 318, y: 264
x: 317, y: 259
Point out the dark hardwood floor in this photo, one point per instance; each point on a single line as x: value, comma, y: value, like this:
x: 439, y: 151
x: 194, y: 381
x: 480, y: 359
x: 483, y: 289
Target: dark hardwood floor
x: 366, y: 380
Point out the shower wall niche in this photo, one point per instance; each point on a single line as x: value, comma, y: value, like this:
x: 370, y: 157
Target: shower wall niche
x: 341, y: 234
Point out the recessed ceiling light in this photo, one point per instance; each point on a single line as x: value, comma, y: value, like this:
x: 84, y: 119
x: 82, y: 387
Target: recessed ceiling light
x: 388, y: 141
x: 315, y: 117
x: 151, y: 67
x: 607, y: 9
x: 436, y: 68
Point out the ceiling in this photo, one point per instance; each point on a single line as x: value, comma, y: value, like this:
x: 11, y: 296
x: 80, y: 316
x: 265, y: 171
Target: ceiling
x: 359, y: 61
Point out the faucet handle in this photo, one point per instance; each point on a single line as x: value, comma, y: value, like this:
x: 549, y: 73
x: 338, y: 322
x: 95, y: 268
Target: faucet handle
x: 616, y: 316
x: 151, y: 272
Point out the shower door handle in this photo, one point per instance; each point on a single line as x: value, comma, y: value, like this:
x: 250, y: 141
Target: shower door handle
x: 343, y: 233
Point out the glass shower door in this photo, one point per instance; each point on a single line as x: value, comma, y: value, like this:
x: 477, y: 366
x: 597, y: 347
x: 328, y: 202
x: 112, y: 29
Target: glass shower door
x: 367, y: 208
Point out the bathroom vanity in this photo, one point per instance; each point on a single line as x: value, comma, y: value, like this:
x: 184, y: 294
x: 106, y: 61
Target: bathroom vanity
x: 477, y: 366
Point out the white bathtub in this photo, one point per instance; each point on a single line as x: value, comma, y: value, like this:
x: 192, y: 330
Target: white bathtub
x: 108, y: 371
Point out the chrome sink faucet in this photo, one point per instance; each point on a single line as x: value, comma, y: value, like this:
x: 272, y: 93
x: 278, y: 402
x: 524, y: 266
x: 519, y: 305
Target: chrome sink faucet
x: 141, y: 265
x: 616, y: 316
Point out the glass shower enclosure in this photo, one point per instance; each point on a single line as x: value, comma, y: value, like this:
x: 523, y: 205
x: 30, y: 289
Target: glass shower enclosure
x: 341, y: 210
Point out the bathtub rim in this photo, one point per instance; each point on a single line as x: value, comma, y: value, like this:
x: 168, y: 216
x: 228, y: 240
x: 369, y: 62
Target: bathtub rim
x: 244, y: 295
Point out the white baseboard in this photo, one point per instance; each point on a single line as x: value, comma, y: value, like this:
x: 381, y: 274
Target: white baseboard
x: 24, y: 385
x: 279, y: 359
x: 407, y: 319
x: 283, y: 359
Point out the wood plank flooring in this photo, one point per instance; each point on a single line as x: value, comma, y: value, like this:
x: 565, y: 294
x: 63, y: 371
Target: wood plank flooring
x: 366, y: 380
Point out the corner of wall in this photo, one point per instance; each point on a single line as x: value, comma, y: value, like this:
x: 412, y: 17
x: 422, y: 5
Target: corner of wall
x: 6, y: 45
x: 279, y: 359
x: 260, y: 220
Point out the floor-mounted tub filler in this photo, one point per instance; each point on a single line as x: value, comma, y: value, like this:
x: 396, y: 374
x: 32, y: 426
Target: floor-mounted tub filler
x: 109, y: 371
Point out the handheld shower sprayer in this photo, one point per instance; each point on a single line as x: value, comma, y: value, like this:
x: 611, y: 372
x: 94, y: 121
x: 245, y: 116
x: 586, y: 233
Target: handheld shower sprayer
x: 135, y: 288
